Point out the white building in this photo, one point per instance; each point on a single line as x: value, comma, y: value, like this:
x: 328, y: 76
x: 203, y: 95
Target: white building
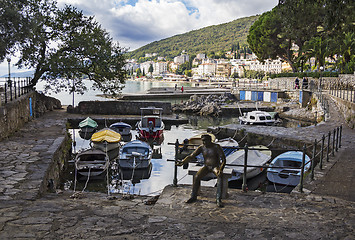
x: 270, y: 66
x: 160, y: 68
x: 145, y: 66
x: 206, y: 69
x: 181, y: 59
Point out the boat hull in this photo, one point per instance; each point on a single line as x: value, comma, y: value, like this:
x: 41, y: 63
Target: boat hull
x: 135, y: 155
x: 91, y: 162
x: 285, y: 169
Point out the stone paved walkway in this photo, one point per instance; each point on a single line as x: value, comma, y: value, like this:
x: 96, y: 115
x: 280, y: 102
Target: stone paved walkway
x: 25, y: 214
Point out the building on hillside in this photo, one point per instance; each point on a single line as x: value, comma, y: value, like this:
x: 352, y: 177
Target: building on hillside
x: 145, y: 66
x: 181, y: 59
x: 209, y: 60
x: 207, y: 69
x: 173, y: 66
x: 223, y: 70
x: 129, y: 66
x: 269, y: 66
x: 150, y: 55
x: 160, y: 68
x: 201, y: 56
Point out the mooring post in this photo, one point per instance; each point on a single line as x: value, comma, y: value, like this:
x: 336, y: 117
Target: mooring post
x: 340, y: 131
x: 321, y: 154
x: 302, y: 170
x: 176, y: 158
x: 244, y: 186
x: 337, y: 140
x: 333, y: 142
x: 328, y: 146
x: 313, y: 163
x: 315, y: 119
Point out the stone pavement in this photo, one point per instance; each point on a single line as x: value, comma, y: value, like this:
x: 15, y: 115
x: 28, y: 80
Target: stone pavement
x: 26, y: 213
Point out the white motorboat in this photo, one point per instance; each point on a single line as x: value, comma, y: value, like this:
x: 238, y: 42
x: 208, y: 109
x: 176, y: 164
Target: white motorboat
x: 256, y: 117
x: 286, y: 168
x: 135, y: 154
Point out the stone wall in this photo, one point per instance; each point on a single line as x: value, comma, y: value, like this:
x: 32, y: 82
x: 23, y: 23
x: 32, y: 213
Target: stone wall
x: 14, y: 114
x: 118, y: 107
x: 348, y: 110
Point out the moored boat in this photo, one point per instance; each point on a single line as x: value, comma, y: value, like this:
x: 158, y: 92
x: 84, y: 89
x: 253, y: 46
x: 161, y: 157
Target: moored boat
x: 108, y: 141
x: 91, y: 162
x: 135, y: 154
x: 151, y: 125
x: 256, y: 118
x: 229, y: 145
x: 285, y: 169
x: 256, y: 159
x: 124, y: 129
x: 88, y: 125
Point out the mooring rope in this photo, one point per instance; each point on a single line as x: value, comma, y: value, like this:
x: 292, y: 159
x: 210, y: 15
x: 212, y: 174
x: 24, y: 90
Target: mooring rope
x: 272, y: 141
x: 87, y: 180
x: 243, y: 138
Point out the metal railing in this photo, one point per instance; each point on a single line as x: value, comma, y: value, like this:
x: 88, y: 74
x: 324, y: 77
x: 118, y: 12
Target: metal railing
x: 326, y: 149
x: 13, y: 88
x: 346, y: 93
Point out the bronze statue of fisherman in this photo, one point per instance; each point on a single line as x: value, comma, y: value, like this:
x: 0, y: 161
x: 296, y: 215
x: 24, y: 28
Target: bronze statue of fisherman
x: 214, y: 162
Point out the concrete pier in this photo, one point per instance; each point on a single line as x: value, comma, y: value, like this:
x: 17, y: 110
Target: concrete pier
x: 29, y: 210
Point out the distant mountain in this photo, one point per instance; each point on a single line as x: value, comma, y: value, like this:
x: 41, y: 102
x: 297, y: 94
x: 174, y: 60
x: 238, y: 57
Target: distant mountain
x: 19, y: 74
x: 214, y: 38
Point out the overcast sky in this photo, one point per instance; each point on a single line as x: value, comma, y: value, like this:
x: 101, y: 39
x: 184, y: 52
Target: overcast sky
x: 135, y: 23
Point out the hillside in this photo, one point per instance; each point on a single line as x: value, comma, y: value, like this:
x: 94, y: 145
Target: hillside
x: 205, y: 40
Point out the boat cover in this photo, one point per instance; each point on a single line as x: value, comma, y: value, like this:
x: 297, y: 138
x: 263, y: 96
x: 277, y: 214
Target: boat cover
x: 107, y: 135
x: 88, y: 122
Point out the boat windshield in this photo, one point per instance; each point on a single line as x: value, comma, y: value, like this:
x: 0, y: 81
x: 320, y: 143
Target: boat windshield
x: 136, y: 149
x: 288, y: 163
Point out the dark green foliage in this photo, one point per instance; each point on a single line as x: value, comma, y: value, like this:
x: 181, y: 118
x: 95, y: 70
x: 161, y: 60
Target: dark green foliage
x: 212, y: 40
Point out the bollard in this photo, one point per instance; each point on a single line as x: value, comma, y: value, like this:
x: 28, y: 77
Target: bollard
x: 176, y: 158
x: 313, y: 163
x: 340, y: 131
x: 302, y: 170
x: 315, y: 119
x: 328, y: 146
x: 333, y: 142
x: 337, y: 140
x: 244, y: 186
x: 321, y: 154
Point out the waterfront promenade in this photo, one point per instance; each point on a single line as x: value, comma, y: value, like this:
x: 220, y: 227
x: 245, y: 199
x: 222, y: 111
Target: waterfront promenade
x: 325, y: 211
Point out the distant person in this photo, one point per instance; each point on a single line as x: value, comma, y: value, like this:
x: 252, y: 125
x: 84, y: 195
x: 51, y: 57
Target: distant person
x: 182, y: 89
x: 305, y: 83
x: 297, y: 83
x: 215, y: 160
x: 175, y: 87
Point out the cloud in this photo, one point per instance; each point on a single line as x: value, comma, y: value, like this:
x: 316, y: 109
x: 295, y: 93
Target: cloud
x: 138, y: 22
x: 134, y: 23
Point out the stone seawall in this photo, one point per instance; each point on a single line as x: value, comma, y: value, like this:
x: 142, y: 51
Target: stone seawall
x: 347, y: 108
x: 15, y: 114
x: 118, y: 107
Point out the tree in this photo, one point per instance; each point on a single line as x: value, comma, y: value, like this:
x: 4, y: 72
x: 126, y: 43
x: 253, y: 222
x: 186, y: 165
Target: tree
x: 150, y: 70
x: 14, y: 24
x: 64, y: 46
x: 290, y: 24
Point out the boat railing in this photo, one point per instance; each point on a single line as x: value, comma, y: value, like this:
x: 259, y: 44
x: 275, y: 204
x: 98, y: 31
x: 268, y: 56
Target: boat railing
x: 321, y: 150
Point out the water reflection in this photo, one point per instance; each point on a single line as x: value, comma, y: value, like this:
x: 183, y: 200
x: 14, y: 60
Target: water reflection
x: 161, y: 173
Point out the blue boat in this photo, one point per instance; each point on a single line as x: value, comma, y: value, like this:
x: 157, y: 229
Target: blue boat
x: 286, y: 168
x: 124, y: 129
x: 135, y: 154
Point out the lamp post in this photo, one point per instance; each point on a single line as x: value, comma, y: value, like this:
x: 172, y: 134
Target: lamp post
x: 320, y: 78
x: 9, y: 80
